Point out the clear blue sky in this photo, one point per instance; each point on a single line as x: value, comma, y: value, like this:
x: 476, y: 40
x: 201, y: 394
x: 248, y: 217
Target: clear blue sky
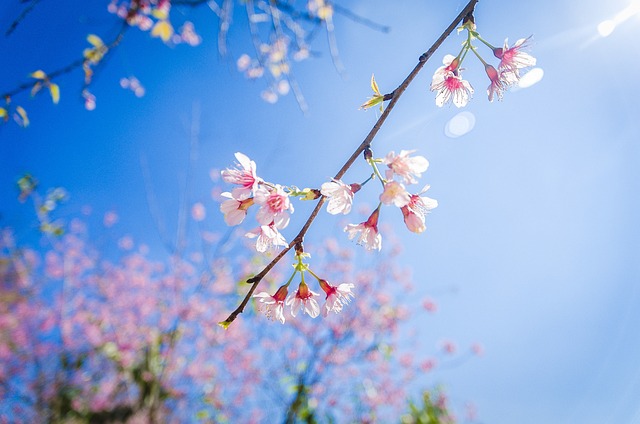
x: 534, y: 249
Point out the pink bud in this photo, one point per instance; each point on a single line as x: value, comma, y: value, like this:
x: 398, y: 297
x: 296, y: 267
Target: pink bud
x: 492, y: 73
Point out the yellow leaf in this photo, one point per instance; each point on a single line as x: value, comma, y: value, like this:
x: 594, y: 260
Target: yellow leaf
x: 161, y: 14
x: 162, y: 29
x: 95, y: 40
x: 3, y: 113
x: 55, y: 92
x: 377, y: 99
x: 38, y: 75
x: 374, y: 85
x: 23, y: 115
x: 224, y: 324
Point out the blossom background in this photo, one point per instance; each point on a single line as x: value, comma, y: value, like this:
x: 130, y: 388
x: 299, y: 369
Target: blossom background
x: 534, y: 247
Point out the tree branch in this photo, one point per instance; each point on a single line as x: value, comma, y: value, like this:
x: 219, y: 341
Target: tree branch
x: 394, y: 96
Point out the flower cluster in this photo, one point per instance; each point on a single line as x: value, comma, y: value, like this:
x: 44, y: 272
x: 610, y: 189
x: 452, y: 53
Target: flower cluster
x: 273, y: 215
x: 274, y: 58
x: 153, y: 15
x: 272, y: 199
x: 274, y: 204
x: 303, y: 299
x: 401, y: 169
x: 447, y: 80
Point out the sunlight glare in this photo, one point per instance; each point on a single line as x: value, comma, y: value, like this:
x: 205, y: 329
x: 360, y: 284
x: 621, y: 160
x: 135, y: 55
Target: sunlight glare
x: 606, y: 27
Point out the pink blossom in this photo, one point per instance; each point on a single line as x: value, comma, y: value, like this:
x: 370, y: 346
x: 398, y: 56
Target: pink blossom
x: 268, y: 237
x: 477, y: 349
x: 406, y: 167
x: 430, y: 305
x: 110, y: 218
x: 273, y: 306
x: 453, y: 88
x: 274, y: 206
x: 367, y: 232
x: 188, y: 34
x: 303, y: 297
x: 448, y: 82
x: 427, y: 365
x: 340, y: 196
x: 244, y: 176
x: 234, y: 210
x: 415, y: 211
x: 500, y: 81
x: 513, y: 58
x: 337, y: 296
x: 450, y: 65
x: 394, y: 192
x: 449, y: 347
x: 198, y: 212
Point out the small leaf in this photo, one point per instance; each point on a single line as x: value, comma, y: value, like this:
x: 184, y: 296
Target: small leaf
x: 55, y: 92
x: 161, y: 14
x: 23, y: 115
x: 38, y: 75
x: 162, y: 29
x: 3, y: 114
x: 377, y: 99
x: 95, y: 40
x: 224, y: 324
x: 374, y: 85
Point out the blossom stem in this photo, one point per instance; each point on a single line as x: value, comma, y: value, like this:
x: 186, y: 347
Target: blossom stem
x: 478, y: 56
x: 314, y: 274
x: 483, y: 41
x: 366, y: 143
x: 462, y: 54
x: 376, y: 171
x: 368, y: 179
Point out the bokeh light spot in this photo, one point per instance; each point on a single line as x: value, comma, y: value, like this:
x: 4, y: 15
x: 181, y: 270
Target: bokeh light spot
x: 532, y: 77
x: 460, y: 124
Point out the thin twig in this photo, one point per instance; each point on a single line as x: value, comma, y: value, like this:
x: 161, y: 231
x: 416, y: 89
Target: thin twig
x: 347, y: 13
x: 70, y: 67
x: 21, y: 17
x: 394, y: 96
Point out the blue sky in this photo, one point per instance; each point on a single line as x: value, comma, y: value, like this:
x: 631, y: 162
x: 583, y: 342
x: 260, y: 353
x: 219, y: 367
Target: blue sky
x: 534, y: 249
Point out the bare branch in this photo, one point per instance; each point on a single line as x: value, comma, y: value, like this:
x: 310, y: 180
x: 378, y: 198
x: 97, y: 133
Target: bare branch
x: 21, y: 17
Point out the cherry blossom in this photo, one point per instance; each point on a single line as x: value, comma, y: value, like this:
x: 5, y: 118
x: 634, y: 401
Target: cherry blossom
x: 274, y: 206
x: 450, y: 65
x: 235, y: 209
x: 500, y: 81
x: 394, y: 192
x: 337, y: 296
x: 367, y: 232
x: 273, y: 306
x: 303, y: 298
x: 244, y: 176
x: 513, y: 58
x: 268, y: 237
x: 448, y: 82
x: 407, y: 167
x: 415, y: 211
x: 340, y: 196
